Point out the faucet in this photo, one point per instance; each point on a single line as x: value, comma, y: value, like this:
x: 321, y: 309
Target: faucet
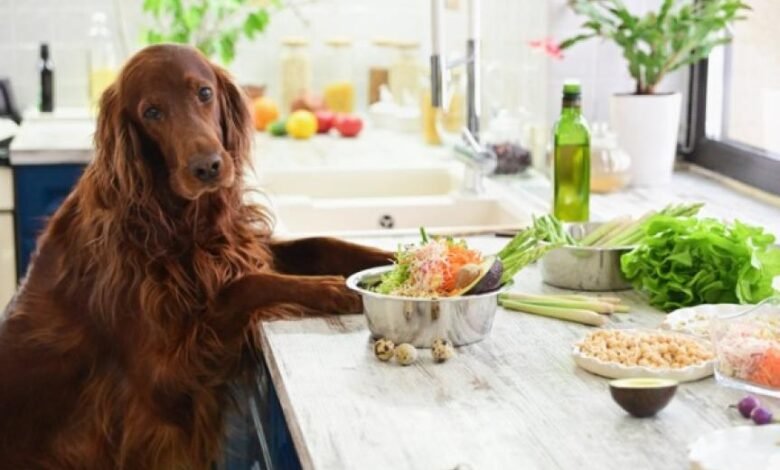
x: 478, y: 159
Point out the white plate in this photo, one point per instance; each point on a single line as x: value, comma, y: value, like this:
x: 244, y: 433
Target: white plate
x: 742, y: 447
x: 614, y: 370
x: 696, y: 320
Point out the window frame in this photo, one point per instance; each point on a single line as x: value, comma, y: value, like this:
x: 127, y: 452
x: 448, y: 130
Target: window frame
x: 742, y: 162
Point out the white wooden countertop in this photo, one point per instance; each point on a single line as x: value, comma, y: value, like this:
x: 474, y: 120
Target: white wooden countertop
x: 515, y: 400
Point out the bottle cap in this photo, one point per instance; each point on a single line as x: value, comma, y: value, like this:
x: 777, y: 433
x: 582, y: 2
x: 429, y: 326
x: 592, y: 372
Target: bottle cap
x: 571, y: 87
x: 44, y: 50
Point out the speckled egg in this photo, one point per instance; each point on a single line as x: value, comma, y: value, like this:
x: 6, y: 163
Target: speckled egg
x: 440, y: 343
x: 442, y: 350
x: 384, y: 349
x: 405, y: 354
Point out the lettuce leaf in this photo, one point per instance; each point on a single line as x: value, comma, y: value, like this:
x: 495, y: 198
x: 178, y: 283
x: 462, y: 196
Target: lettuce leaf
x: 690, y: 261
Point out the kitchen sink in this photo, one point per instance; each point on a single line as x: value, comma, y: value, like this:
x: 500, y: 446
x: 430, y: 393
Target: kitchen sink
x: 367, y: 182
x: 390, y: 216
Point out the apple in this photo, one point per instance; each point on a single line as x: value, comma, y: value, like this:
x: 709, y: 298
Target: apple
x: 348, y: 125
x: 325, y: 120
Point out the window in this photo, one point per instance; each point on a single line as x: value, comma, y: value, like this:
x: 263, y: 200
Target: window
x: 734, y: 110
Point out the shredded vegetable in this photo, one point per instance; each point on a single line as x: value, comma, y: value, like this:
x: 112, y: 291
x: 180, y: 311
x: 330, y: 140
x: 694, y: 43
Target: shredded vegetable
x: 428, y: 270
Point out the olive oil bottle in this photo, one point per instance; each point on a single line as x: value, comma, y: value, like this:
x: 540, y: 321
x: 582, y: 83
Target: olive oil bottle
x: 571, y: 197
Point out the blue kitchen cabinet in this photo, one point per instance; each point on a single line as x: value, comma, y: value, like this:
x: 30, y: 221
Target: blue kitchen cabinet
x: 39, y: 191
x: 258, y: 435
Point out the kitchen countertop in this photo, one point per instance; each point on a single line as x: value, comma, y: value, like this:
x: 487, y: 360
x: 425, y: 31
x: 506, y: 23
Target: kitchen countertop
x: 515, y: 400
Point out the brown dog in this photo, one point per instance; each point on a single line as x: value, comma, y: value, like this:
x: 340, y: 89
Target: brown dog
x: 118, y: 348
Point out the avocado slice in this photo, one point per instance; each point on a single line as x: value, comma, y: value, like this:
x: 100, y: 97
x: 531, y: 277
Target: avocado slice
x: 475, y: 279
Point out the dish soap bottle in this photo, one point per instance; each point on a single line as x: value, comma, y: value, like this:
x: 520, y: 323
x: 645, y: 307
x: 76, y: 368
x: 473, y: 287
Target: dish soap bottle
x: 102, y: 59
x: 571, y: 159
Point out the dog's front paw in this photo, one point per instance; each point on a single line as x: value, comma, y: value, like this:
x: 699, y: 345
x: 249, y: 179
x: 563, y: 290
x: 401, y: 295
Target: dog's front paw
x: 335, y: 297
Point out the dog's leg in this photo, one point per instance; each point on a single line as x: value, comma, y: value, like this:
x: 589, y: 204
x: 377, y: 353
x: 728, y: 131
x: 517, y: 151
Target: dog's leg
x: 326, y: 256
x: 230, y: 315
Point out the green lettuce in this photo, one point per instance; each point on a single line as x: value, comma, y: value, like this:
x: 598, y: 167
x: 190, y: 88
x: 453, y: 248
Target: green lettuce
x: 690, y: 261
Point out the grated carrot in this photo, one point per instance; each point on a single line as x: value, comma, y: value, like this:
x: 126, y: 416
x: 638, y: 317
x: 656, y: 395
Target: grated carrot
x: 457, y: 257
x: 767, y: 371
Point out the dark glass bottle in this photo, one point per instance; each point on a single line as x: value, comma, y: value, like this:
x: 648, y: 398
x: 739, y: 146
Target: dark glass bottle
x: 46, y: 69
x: 571, y: 201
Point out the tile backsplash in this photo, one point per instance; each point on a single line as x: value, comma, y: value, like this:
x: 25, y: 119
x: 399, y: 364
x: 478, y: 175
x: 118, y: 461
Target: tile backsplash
x: 530, y: 81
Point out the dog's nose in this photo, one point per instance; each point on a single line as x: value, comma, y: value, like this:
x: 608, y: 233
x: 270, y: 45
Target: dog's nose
x: 206, y: 167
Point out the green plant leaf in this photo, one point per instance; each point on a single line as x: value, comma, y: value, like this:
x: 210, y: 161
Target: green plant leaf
x: 658, y: 42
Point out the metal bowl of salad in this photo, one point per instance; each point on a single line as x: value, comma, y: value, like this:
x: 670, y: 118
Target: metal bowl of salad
x: 440, y: 289
x: 462, y: 319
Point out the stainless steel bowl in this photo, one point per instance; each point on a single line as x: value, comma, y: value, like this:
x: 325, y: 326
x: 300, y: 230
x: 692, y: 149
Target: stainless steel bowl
x: 585, y: 268
x: 462, y: 320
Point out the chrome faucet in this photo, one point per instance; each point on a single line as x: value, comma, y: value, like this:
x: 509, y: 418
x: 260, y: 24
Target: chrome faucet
x: 479, y: 159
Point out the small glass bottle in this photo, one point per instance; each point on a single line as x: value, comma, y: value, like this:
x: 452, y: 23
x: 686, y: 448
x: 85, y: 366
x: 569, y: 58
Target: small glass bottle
x: 295, y: 70
x: 571, y: 159
x: 102, y: 59
x: 46, y: 70
x: 339, y: 92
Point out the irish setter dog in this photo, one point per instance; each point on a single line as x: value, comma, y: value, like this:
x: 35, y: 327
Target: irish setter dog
x: 120, y: 345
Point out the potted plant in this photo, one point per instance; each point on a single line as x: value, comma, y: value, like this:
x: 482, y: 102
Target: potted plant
x: 679, y: 33
x: 213, y: 26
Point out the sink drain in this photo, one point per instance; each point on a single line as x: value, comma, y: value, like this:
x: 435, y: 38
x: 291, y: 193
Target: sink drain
x: 387, y: 221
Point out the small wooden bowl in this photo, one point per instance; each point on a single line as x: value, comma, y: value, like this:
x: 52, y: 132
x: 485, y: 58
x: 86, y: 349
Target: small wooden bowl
x: 643, y: 397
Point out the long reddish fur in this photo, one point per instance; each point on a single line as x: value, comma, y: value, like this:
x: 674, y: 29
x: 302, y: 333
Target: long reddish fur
x: 116, y: 351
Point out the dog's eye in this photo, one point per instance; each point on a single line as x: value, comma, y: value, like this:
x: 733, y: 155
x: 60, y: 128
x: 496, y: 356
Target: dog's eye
x: 205, y: 94
x: 152, y: 113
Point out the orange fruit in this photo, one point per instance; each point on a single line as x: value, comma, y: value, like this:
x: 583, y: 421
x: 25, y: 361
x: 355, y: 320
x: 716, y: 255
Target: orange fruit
x: 265, y: 112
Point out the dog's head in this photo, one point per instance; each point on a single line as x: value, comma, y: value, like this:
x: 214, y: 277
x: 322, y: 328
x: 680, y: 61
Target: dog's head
x: 173, y: 115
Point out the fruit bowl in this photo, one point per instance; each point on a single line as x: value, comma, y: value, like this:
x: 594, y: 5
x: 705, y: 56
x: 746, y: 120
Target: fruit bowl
x: 462, y: 319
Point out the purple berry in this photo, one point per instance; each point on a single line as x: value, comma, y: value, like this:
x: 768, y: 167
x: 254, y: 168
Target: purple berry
x: 747, y: 405
x: 761, y: 416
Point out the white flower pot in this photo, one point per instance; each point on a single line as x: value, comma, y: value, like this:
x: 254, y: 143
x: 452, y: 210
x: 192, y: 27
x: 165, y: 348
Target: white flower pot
x: 646, y: 128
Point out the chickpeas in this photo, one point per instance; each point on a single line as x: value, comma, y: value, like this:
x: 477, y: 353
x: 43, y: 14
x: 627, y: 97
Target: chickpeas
x: 654, y: 350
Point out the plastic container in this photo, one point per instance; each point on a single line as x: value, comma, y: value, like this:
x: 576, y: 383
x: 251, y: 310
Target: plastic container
x: 747, y: 348
x: 339, y: 89
x: 295, y: 70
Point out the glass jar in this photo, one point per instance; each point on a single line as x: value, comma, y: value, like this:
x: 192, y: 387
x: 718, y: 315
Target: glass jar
x: 339, y: 90
x: 378, y: 68
x: 404, y: 73
x: 103, y: 62
x: 295, y: 70
x: 610, y: 165
x: 747, y: 348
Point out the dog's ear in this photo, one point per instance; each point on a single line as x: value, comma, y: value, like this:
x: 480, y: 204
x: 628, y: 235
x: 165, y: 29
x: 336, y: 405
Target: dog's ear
x: 118, y: 151
x: 235, y: 118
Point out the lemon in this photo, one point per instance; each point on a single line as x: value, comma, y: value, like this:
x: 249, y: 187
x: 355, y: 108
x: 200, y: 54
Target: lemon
x: 301, y: 124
